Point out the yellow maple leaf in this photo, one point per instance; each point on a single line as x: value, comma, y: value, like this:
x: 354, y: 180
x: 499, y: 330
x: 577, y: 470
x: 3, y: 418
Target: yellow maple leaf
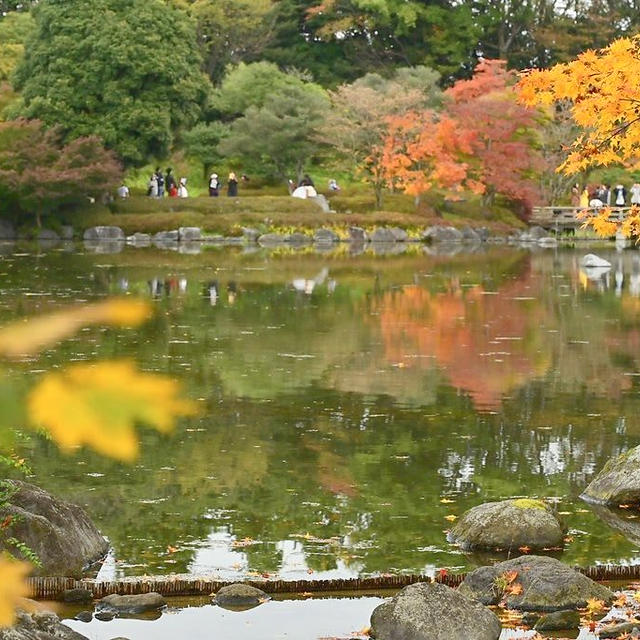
x: 595, y: 606
x: 97, y: 405
x: 13, y: 586
x: 451, y: 517
x: 27, y: 337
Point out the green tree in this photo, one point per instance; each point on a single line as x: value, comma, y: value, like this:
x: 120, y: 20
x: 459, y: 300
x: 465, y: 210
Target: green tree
x: 125, y: 70
x: 357, y: 124
x: 278, y: 137
x: 15, y: 28
x: 203, y: 143
x: 249, y: 85
x: 39, y: 174
x: 232, y: 31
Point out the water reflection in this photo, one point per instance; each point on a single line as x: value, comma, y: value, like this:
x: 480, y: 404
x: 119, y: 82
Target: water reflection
x: 353, y: 404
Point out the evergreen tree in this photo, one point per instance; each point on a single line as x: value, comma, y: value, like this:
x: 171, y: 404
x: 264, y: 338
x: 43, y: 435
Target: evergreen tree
x: 127, y: 71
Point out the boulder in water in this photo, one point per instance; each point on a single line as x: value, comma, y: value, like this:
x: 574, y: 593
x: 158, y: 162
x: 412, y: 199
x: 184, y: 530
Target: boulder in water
x: 618, y: 482
x: 592, y: 260
x: 103, y: 233
x: 442, y: 234
x: 433, y: 611
x: 59, y: 533
x: 508, y: 525
x: 546, y: 585
x: 240, y: 595
x: 131, y: 604
x: 42, y: 625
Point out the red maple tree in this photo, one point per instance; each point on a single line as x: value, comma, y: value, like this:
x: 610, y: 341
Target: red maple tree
x: 483, y: 141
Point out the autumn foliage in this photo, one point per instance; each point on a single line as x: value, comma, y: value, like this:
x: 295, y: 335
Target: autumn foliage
x: 39, y: 174
x: 604, y: 96
x: 481, y: 141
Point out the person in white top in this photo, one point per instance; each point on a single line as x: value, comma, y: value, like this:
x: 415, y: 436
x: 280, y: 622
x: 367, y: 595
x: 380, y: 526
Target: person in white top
x: 182, y: 189
x: 123, y: 192
x: 635, y: 193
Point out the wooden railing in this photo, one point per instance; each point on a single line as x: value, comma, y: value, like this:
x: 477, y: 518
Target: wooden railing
x: 562, y: 217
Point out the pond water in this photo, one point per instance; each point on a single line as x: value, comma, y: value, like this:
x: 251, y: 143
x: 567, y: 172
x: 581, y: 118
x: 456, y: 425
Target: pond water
x: 351, y: 404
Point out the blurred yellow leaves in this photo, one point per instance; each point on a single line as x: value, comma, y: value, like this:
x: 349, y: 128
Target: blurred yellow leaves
x: 98, y: 405
x: 28, y: 337
x: 13, y: 586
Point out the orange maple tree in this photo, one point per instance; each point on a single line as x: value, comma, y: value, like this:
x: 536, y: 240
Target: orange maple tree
x: 482, y: 141
x: 603, y: 91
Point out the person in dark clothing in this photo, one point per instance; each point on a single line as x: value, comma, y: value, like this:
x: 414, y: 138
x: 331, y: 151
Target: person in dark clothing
x: 160, y: 181
x: 232, y: 185
x: 306, y: 181
x: 169, y: 181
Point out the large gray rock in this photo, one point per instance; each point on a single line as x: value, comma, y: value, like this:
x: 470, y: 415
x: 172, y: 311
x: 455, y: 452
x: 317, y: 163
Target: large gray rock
x: 547, y: 585
x: 240, y: 595
x: 533, y: 234
x: 399, y: 235
x: 382, y: 234
x: 433, y: 611
x: 298, y: 239
x: 167, y: 236
x: 442, y: 234
x: 470, y: 235
x: 103, y: 233
x: 592, y: 260
x: 618, y: 482
x: 558, y: 621
x: 358, y: 235
x: 128, y: 605
x: 7, y: 230
x: 271, y: 239
x: 325, y: 236
x: 507, y: 525
x: 39, y: 626
x: 189, y: 234
x: 251, y: 235
x: 139, y: 240
x: 59, y: 533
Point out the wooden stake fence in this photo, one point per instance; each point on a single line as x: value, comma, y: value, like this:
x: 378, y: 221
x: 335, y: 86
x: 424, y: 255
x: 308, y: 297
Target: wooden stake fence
x: 54, y: 588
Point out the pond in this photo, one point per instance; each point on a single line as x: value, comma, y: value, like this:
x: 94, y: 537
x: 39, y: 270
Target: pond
x: 352, y: 405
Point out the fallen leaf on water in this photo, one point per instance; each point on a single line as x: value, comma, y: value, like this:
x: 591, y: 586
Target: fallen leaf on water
x: 446, y: 501
x: 451, y: 518
x: 524, y: 548
x: 595, y: 606
x: 171, y: 549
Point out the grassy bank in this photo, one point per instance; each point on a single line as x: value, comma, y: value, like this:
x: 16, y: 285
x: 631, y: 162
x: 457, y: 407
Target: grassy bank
x: 227, y: 216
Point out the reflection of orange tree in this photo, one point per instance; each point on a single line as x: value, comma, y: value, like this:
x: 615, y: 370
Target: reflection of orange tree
x: 487, y: 344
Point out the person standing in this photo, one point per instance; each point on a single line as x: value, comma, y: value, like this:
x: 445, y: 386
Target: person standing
x: 160, y: 180
x: 214, y: 185
x: 182, y: 189
x: 584, y: 198
x: 620, y: 194
x: 575, y: 195
x: 169, y: 181
x: 152, y: 186
x: 635, y: 193
x: 232, y: 185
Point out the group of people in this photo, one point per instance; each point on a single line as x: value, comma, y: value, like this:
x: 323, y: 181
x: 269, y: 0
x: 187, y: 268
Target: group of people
x: 160, y: 184
x: 596, y: 196
x: 215, y: 185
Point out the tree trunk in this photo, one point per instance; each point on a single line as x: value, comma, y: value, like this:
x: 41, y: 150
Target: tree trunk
x: 38, y: 220
x: 377, y: 188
